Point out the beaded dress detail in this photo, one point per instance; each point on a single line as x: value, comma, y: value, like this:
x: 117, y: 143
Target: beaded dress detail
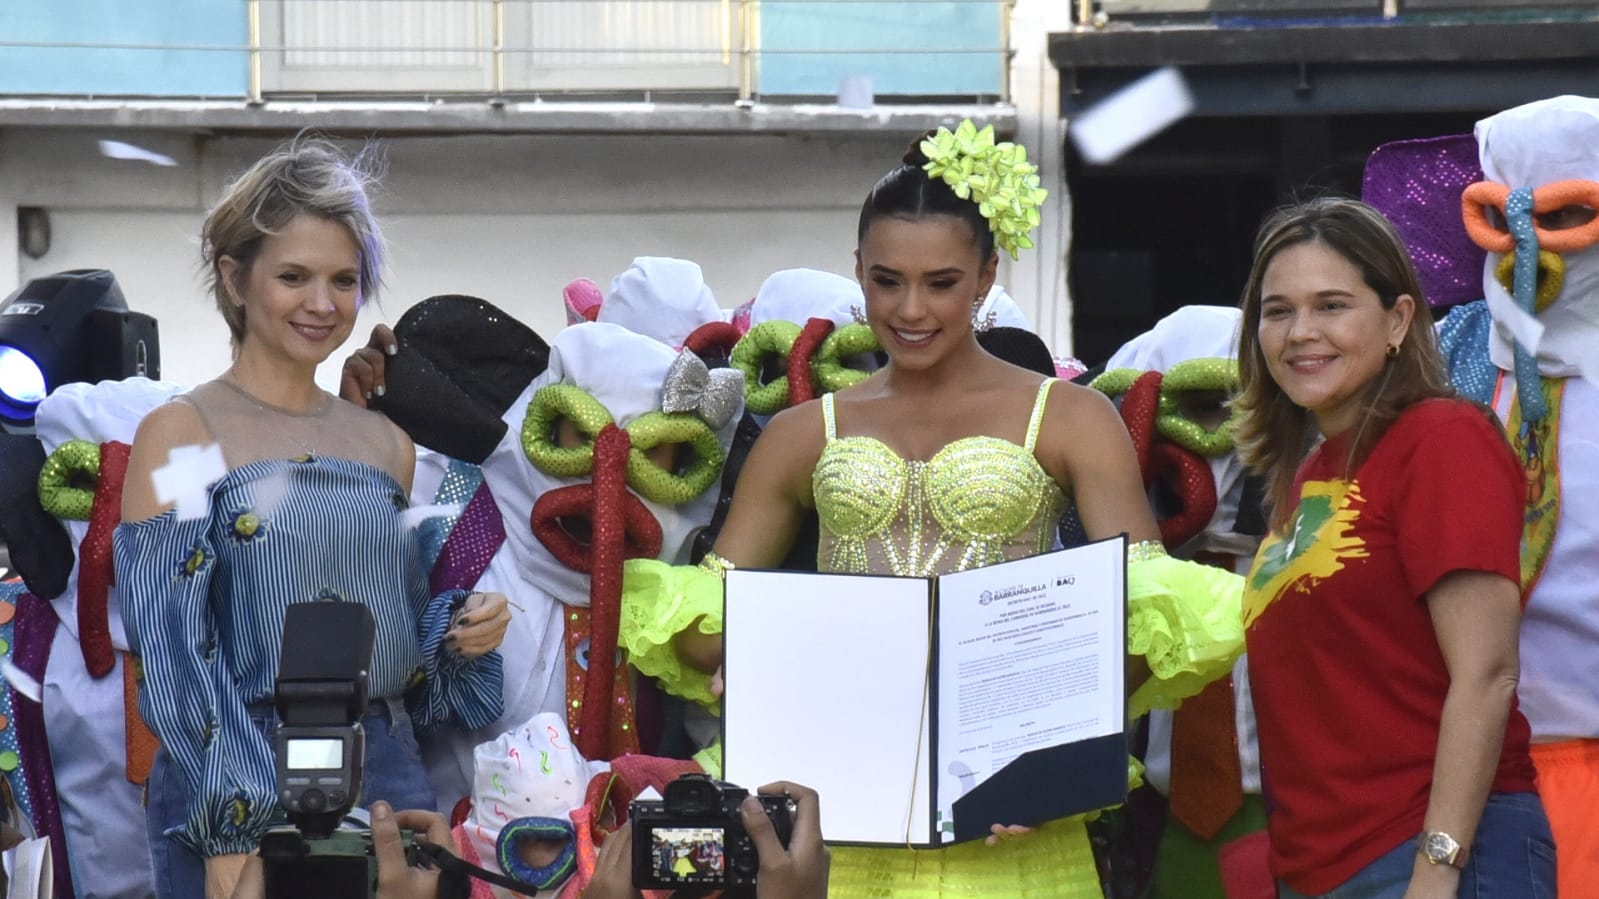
x: 977, y: 501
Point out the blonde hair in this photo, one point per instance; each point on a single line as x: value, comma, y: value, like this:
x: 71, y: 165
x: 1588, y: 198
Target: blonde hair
x: 1273, y: 433
x: 306, y: 176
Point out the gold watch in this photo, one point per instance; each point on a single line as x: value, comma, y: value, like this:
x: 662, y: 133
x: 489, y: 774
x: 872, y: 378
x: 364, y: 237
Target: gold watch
x: 1439, y: 848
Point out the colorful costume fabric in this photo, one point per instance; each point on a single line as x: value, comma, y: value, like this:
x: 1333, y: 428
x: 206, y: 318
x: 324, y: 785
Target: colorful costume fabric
x: 1360, y: 553
x: 99, y: 749
x: 1529, y: 348
x: 569, y: 516
x: 1172, y: 381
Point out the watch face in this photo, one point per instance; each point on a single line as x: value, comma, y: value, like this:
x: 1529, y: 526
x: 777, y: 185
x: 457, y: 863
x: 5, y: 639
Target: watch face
x: 1440, y: 847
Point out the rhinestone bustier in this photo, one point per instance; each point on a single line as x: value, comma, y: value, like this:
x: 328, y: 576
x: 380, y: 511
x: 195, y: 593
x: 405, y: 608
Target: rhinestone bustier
x: 977, y: 501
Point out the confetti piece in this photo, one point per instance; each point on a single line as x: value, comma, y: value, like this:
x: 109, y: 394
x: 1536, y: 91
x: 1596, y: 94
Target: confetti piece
x: 116, y: 149
x: 1132, y: 115
x: 413, y: 517
x: 20, y: 681
x: 186, y: 479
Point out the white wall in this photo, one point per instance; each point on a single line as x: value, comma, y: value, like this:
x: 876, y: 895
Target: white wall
x: 508, y: 218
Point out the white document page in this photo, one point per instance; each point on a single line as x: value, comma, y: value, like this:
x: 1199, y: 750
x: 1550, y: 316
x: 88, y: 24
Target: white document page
x: 826, y: 686
x: 1031, y: 655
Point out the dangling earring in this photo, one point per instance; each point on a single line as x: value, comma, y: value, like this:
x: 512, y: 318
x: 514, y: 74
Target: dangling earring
x: 982, y: 322
x: 859, y: 314
x: 1393, y: 350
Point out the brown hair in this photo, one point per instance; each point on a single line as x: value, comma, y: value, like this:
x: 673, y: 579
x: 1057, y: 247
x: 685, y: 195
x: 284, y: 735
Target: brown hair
x: 908, y: 192
x: 306, y: 176
x: 1273, y: 433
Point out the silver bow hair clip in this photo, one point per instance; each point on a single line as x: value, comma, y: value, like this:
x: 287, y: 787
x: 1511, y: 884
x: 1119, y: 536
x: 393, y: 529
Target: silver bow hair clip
x: 691, y: 386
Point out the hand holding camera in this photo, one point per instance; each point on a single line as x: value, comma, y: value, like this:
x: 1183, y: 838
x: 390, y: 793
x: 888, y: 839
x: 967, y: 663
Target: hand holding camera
x: 706, y: 835
x: 397, y: 878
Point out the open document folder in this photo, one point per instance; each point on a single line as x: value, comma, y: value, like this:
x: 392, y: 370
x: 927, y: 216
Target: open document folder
x: 925, y: 710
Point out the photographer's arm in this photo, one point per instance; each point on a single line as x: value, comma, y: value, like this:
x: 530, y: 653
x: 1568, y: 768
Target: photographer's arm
x: 187, y: 695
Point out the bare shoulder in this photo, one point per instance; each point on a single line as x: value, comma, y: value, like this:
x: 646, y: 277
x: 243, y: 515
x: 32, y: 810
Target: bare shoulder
x: 800, y: 430
x: 1080, y: 407
x: 1081, y: 427
x: 392, y: 445
x: 172, y: 424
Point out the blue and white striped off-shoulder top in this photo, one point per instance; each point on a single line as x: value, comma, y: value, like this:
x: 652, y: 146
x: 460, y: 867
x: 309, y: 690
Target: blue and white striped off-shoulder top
x: 204, y: 603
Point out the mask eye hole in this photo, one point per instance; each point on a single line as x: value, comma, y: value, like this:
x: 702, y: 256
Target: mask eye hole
x: 675, y: 457
x: 1573, y: 215
x: 565, y: 434
x: 772, y: 367
x: 1496, y: 219
x: 558, y: 432
x: 1207, y: 408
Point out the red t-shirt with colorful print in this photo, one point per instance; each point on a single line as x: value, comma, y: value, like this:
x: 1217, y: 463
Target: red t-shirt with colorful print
x: 1347, y: 675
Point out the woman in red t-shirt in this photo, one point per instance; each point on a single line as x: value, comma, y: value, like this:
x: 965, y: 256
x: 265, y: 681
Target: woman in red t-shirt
x: 1382, y: 609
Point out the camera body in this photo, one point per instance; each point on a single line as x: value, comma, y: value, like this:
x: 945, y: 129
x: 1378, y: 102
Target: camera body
x: 321, y: 697
x: 695, y: 836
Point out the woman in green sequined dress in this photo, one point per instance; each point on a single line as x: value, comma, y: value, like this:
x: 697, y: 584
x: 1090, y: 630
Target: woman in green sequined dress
x: 946, y: 459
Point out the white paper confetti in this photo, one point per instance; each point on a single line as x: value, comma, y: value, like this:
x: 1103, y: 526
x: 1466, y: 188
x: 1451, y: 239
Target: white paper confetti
x: 1131, y: 116
x: 270, y: 490
x: 20, y: 681
x: 187, y: 477
x: 115, y: 149
x: 413, y: 517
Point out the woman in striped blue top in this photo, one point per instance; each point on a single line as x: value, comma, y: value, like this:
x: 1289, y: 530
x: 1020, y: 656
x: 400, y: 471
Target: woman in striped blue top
x: 309, y: 509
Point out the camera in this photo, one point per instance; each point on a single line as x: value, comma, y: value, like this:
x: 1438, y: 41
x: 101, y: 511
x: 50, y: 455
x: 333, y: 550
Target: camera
x: 321, y: 697
x: 695, y: 837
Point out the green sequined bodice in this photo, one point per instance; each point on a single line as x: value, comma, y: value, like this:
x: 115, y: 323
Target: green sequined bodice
x: 977, y: 501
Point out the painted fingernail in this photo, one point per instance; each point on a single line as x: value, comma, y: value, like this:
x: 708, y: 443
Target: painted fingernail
x: 391, y: 349
x: 369, y: 394
x: 380, y: 390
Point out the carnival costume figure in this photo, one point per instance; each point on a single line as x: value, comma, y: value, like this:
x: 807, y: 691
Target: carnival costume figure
x: 1531, y: 349
x: 1173, y: 383
x: 79, y: 753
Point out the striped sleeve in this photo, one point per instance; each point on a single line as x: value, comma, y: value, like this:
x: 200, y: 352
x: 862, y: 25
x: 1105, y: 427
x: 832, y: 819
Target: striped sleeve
x: 457, y: 691
x: 187, y: 695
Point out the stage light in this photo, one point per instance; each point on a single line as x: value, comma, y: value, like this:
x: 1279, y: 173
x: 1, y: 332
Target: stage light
x: 21, y: 379
x: 70, y: 326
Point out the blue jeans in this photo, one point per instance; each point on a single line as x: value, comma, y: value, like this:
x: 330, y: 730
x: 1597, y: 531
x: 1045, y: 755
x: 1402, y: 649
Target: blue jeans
x: 392, y: 771
x: 1513, y: 855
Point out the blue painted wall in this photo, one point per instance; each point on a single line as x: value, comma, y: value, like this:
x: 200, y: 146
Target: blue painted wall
x: 790, y: 27
x: 79, y: 71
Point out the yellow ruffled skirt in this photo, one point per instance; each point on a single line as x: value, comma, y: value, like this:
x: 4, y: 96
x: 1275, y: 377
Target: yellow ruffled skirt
x: 1053, y: 862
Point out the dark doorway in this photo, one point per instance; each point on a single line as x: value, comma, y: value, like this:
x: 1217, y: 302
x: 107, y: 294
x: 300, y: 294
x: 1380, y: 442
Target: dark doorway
x: 1173, y: 222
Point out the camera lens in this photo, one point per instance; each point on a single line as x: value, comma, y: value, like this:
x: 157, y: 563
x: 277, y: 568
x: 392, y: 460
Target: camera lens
x: 313, y: 801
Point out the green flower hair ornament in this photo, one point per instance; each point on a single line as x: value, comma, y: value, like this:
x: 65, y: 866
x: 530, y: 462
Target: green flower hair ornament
x: 996, y: 176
